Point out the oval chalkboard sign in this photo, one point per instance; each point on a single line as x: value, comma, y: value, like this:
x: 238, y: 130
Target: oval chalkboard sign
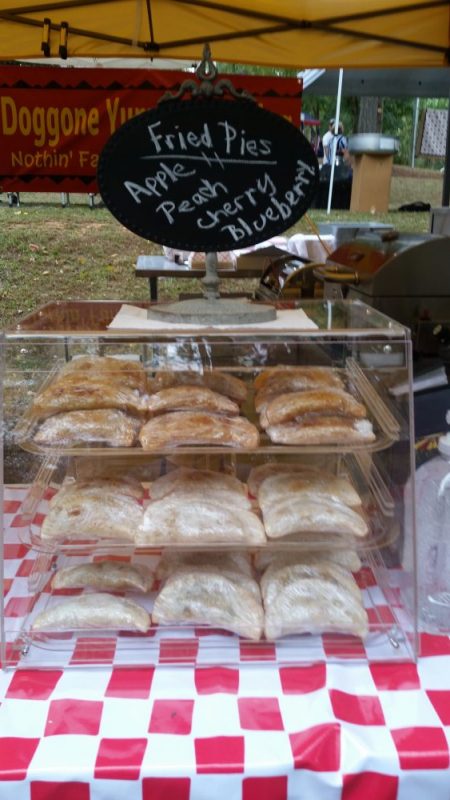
x: 208, y: 174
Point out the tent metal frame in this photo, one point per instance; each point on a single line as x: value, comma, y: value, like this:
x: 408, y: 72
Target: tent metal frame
x: 279, y: 24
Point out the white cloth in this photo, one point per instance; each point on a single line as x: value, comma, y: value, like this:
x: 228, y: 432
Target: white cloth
x: 134, y: 318
x: 310, y: 246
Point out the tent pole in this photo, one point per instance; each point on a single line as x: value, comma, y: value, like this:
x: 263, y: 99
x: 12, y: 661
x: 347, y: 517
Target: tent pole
x: 334, y: 142
x: 414, y: 136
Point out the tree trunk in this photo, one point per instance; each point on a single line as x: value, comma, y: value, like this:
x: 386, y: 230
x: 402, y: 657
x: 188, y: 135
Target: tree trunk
x: 370, y: 115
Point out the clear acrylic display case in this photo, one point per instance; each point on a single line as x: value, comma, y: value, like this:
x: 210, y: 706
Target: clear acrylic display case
x: 370, y: 352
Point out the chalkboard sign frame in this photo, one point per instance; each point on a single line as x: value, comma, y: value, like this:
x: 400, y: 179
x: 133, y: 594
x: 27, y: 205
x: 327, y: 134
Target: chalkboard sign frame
x: 247, y: 173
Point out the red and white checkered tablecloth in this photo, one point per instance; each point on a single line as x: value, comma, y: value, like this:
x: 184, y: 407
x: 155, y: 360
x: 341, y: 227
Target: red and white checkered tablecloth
x: 350, y: 731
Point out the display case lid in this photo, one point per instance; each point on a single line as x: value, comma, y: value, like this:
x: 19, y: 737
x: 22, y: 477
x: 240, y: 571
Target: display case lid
x: 328, y: 318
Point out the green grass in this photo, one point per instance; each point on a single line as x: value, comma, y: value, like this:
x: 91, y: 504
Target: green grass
x: 408, y: 185
x: 51, y: 253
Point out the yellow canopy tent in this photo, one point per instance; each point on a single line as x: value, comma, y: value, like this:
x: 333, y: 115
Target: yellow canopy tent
x: 282, y: 33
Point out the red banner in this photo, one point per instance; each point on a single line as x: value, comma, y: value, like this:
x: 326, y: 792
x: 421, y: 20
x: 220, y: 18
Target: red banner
x: 55, y: 121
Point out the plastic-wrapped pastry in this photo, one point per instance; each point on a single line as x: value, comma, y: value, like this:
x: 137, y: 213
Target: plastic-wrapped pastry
x: 201, y: 483
x: 346, y: 557
x: 198, y: 428
x: 221, y: 382
x: 259, y: 473
x: 125, y: 371
x: 94, y: 610
x: 116, y: 576
x: 180, y: 519
x: 208, y: 595
x: 287, y: 407
x: 322, y: 429
x: 191, y: 398
x: 312, y: 598
x: 128, y: 486
x: 88, y: 514
x: 221, y: 559
x: 310, y: 512
x: 288, y: 485
x: 296, y: 379
x: 106, y: 426
x: 312, y: 375
x: 75, y: 392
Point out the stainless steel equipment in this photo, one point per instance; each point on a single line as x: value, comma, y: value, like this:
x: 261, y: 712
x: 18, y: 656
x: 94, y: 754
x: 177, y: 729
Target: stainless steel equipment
x: 405, y: 276
x: 373, y: 143
x: 344, y: 231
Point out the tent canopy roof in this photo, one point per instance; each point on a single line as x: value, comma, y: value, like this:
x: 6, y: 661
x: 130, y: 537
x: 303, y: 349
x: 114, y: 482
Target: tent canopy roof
x: 281, y: 33
x: 383, y: 83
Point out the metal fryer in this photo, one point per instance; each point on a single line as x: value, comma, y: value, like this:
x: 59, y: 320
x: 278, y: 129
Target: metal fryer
x: 406, y: 276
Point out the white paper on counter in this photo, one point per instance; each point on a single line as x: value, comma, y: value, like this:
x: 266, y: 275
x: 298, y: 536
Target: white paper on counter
x: 135, y: 318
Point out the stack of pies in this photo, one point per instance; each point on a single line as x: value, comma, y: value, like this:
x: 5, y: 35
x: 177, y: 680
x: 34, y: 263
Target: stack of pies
x: 311, y: 590
x: 190, y: 408
x: 306, y: 503
x: 111, y: 401
x: 301, y: 593
x: 92, y: 400
x: 216, y: 590
x: 220, y: 382
x: 98, y: 609
x: 219, y: 487
x: 309, y: 406
x: 97, y: 509
x: 311, y: 594
x: 190, y: 506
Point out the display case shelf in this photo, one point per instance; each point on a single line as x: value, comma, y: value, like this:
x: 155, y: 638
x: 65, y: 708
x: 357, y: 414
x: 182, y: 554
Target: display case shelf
x: 378, y: 509
x: 389, y: 637
x: 385, y: 426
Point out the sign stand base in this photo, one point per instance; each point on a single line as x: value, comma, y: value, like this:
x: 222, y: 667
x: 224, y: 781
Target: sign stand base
x: 215, y: 311
x: 212, y: 309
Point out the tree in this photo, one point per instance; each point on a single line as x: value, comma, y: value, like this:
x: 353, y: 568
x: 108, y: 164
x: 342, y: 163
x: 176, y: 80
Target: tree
x: 370, y: 115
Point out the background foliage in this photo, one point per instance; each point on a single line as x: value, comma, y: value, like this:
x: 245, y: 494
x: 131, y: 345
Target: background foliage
x: 396, y: 115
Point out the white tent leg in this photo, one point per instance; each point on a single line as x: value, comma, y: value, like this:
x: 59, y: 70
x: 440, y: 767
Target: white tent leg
x: 414, y: 136
x: 334, y: 142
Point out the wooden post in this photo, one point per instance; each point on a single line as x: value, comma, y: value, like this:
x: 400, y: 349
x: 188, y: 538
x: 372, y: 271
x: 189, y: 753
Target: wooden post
x: 371, y: 185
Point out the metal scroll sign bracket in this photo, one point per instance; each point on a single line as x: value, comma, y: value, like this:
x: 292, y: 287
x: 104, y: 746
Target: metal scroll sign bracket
x: 206, y: 73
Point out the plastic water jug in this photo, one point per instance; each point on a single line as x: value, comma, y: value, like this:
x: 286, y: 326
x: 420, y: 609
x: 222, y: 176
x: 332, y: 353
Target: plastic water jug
x: 433, y: 540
